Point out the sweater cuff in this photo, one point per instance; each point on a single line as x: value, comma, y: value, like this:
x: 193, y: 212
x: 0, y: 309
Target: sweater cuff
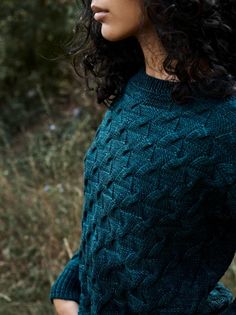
x: 231, y: 309
x: 66, y: 286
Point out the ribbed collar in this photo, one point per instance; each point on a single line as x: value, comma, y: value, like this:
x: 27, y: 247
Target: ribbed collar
x: 143, y: 85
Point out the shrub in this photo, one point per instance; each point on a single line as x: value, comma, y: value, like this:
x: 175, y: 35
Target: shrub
x: 34, y: 73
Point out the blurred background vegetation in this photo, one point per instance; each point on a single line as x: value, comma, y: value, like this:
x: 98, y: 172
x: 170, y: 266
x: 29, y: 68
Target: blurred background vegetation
x: 47, y: 122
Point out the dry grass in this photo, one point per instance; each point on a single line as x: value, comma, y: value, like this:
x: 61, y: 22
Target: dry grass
x: 41, y: 195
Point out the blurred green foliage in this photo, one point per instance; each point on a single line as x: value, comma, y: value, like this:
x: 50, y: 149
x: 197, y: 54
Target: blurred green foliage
x: 33, y: 35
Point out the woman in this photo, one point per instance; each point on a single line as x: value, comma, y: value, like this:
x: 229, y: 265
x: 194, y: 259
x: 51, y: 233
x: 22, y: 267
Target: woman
x: 160, y: 175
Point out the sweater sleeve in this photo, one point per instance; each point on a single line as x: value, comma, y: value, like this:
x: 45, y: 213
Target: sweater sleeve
x: 230, y: 310
x: 67, y: 285
x: 223, y: 178
x: 223, y: 181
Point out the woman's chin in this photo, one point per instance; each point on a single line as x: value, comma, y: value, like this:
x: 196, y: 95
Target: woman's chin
x: 111, y: 36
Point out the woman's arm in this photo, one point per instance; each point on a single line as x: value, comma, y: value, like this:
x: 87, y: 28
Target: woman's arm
x: 224, y: 179
x: 67, y: 285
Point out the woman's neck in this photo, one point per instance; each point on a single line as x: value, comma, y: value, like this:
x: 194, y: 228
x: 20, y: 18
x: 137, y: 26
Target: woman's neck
x: 154, y: 52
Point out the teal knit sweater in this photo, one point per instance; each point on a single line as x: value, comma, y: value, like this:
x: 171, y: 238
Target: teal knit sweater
x: 159, y: 211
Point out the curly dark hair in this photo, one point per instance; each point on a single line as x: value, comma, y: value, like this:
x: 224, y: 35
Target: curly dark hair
x: 199, y: 35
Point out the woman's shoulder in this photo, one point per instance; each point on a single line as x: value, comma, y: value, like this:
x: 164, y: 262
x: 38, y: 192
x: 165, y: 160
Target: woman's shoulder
x: 227, y: 107
x: 219, y: 115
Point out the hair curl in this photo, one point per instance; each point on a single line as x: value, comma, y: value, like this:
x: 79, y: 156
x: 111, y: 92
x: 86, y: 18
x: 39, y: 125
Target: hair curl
x: 198, y: 35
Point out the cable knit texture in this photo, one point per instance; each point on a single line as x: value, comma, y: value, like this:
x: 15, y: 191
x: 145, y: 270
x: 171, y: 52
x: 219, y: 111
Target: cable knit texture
x: 159, y: 211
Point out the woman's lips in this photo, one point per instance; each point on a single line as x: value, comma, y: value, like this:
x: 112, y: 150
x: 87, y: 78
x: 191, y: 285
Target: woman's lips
x: 100, y: 15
